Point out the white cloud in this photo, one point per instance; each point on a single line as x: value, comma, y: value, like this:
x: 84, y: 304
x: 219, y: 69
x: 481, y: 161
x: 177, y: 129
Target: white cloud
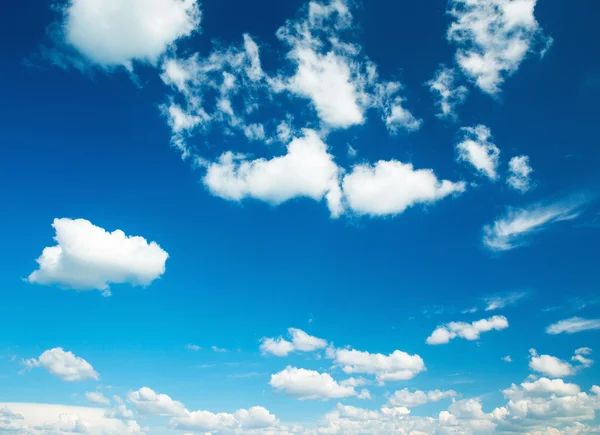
x: 390, y: 187
x: 43, y: 419
x: 120, y: 32
x: 573, y: 325
x: 510, y: 231
x: 469, y: 331
x: 64, y: 365
x: 300, y: 341
x: 219, y: 349
x: 193, y: 347
x: 449, y: 95
x: 307, y: 170
x: 497, y: 302
x: 507, y: 358
x: 550, y: 365
x: 477, y: 149
x: 88, y: 257
x: 97, y: 398
x: 255, y: 418
x: 397, y: 366
x: 542, y: 387
x: 493, y: 38
x: 310, y: 384
x: 580, y: 357
x: 519, y: 172
x: 410, y: 399
x: 148, y: 402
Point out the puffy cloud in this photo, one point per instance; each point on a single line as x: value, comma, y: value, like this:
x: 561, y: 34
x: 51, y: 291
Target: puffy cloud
x: 300, y: 341
x: 64, y: 365
x: 573, y: 325
x: 469, y: 331
x: 97, y: 398
x: 493, y: 38
x: 390, y: 187
x: 448, y: 93
x: 477, y: 149
x: 42, y: 419
x: 254, y: 418
x: 397, y: 366
x: 496, y: 302
x: 88, y: 257
x: 119, y: 32
x: 580, y: 357
x: 550, y: 365
x: 310, y: 384
x: 410, y: 399
x: 547, y: 387
x: 148, y: 402
x: 507, y: 358
x: 511, y: 230
x: 519, y: 172
x: 307, y: 170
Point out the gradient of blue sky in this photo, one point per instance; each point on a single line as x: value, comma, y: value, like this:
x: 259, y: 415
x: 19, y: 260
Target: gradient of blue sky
x: 93, y: 143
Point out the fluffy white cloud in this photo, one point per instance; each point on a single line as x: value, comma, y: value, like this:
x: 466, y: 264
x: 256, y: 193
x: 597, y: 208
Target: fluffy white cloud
x: 511, y: 231
x: 119, y: 32
x: 42, y: 419
x: 448, y: 94
x: 390, y: 187
x: 519, y: 173
x: 300, y: 341
x: 255, y: 418
x: 310, y: 384
x: 148, y: 402
x: 97, y: 397
x: 546, y: 387
x: 307, y: 170
x: 477, y: 149
x: 496, y: 302
x: 493, y: 38
x: 550, y: 365
x: 469, y: 331
x: 397, y: 366
x: 410, y: 399
x: 573, y: 325
x: 88, y: 257
x: 64, y: 365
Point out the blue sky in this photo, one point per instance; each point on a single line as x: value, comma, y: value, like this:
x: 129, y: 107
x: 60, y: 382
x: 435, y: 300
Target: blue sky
x: 300, y: 217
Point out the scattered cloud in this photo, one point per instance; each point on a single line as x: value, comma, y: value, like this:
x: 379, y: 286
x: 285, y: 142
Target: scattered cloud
x: 219, y: 349
x: 469, y: 331
x: 507, y: 358
x: 476, y: 148
x: 88, y: 257
x: 97, y: 398
x: 573, y: 325
x: 550, y: 365
x: 300, y: 342
x: 64, y: 365
x: 253, y: 419
x: 496, y: 302
x: 580, y: 357
x: 512, y: 230
x: 448, y: 94
x: 148, y: 402
x: 519, y: 173
x: 193, y: 347
x: 493, y: 37
x: 410, y: 399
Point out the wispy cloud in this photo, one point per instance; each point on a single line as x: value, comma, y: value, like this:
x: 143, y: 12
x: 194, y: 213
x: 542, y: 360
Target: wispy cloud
x: 498, y: 301
x: 573, y: 325
x: 512, y: 230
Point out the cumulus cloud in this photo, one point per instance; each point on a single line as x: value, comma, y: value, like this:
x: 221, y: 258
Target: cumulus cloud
x: 397, y: 366
x: 300, y: 342
x: 88, y: 257
x: 410, y: 399
x: 573, y: 325
x: 390, y: 187
x: 449, y: 95
x: 148, y: 402
x: 580, y: 357
x: 512, y: 230
x: 255, y: 418
x: 120, y: 32
x: 64, y: 365
x: 97, y: 398
x: 519, y: 173
x: 550, y: 365
x: 493, y: 37
x: 476, y: 148
x: 307, y: 170
x: 310, y: 384
x: 469, y: 331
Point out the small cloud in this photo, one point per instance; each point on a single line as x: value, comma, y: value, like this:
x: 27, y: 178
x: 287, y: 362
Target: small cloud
x: 496, y: 302
x: 218, y: 349
x: 193, y: 347
x: 507, y: 358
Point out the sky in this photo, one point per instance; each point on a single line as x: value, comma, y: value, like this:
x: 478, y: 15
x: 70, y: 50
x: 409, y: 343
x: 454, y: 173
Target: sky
x: 300, y: 217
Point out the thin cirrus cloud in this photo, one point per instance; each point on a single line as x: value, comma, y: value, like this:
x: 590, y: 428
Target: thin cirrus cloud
x: 63, y: 364
x: 493, y: 37
x: 514, y: 228
x: 118, y: 33
x: 87, y: 257
x: 469, y: 331
x: 573, y: 325
x: 496, y: 302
